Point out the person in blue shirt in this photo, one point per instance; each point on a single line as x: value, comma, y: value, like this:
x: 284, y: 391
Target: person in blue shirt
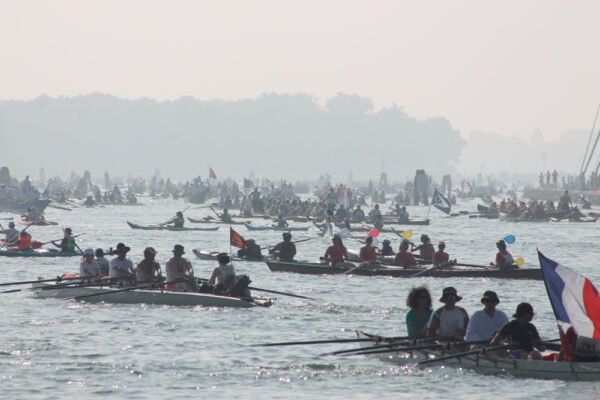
x: 419, y: 302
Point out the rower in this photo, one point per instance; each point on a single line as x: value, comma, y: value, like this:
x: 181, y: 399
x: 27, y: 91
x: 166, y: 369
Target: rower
x: 358, y: 213
x: 177, y: 221
x: 148, y: 269
x: 440, y: 257
x: 419, y: 302
x: 449, y: 321
x: 520, y: 330
x: 285, y: 250
x: 378, y: 224
x: 386, y: 249
x: 504, y: 260
x: 89, y: 267
x: 224, y: 273
x: 565, y: 201
x: 485, y: 323
x: 67, y: 244
x: 179, y: 268
x: 33, y: 215
x: 403, y: 215
x: 336, y: 254
x: 226, y: 217
x: 281, y: 222
x: 24, y: 241
x: 404, y: 257
x: 11, y: 234
x: 102, y: 262
x: 367, y: 253
x: 426, y: 249
x: 120, y: 267
x: 252, y: 251
x: 375, y: 212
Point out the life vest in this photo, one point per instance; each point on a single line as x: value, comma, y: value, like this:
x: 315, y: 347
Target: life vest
x: 68, y: 245
x: 24, y: 242
x: 336, y: 254
x: 368, y: 254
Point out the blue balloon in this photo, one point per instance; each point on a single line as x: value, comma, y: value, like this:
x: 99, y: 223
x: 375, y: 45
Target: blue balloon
x: 510, y: 239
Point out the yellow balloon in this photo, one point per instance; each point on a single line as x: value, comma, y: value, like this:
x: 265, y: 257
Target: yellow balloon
x: 520, y: 261
x: 407, y: 234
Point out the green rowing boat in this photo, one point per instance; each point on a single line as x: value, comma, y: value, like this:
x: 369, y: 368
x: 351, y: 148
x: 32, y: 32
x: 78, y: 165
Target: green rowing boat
x: 37, y: 253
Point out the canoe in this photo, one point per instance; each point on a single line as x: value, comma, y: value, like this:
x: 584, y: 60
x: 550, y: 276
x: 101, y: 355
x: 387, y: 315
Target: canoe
x: 168, y: 228
x: 368, y: 229
x: 399, y: 272
x: 275, y: 228
x: 39, y: 205
x: 213, y: 221
x: 487, y: 365
x: 147, y: 296
x: 37, y: 253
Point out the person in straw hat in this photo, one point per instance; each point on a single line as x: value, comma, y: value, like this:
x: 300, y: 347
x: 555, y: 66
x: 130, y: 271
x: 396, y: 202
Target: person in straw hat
x: 449, y: 321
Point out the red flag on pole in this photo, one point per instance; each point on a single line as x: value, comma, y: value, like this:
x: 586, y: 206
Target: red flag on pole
x: 235, y: 239
x: 211, y: 173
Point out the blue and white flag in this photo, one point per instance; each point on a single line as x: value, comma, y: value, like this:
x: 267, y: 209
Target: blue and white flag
x: 440, y: 202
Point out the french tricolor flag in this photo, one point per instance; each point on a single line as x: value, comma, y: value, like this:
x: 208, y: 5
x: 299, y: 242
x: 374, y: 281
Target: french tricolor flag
x: 574, y: 298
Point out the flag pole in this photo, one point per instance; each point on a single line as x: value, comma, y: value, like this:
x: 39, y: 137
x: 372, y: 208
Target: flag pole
x: 430, y: 203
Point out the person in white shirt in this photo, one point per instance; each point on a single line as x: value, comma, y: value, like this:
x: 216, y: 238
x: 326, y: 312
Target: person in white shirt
x: 11, y: 233
x: 121, y: 267
x: 88, y: 268
x: 449, y: 321
x: 485, y: 323
x: 223, y: 271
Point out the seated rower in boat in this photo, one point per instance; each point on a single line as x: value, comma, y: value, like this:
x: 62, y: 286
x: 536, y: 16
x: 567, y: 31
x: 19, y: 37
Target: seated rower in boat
x: 440, y: 257
x: 419, y: 304
x: 252, y: 251
x: 375, y: 212
x: 11, y: 234
x: 358, y: 213
x: 520, y: 330
x: 226, y: 217
x: 89, y: 268
x: 178, y: 268
x: 102, y: 262
x: 425, y: 249
x: 368, y: 253
x: 449, y: 321
x: 223, y: 272
x: 485, y: 323
x: 285, y: 250
x: 33, y: 215
x: 336, y: 254
x: 504, y: 260
x: 386, y: 249
x: 403, y: 215
x: 67, y: 244
x: 404, y: 257
x: 281, y: 222
x: 177, y: 221
x: 148, y: 269
x: 121, y: 267
x: 378, y: 224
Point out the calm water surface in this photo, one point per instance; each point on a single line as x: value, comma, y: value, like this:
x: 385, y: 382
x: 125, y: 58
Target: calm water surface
x: 55, y: 349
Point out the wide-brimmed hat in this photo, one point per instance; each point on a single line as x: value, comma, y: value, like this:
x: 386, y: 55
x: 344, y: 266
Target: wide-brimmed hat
x: 150, y: 250
x: 491, y: 296
x: 122, y: 248
x: 450, y: 291
x: 178, y: 249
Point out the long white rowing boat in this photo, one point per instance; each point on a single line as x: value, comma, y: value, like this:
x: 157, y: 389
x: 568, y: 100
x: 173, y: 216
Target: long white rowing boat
x: 146, y: 296
x: 485, y: 364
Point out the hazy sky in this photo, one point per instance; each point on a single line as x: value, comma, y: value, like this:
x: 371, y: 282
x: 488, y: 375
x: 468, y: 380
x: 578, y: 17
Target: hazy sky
x: 501, y: 66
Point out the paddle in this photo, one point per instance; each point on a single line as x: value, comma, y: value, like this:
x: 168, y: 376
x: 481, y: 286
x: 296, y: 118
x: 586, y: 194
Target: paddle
x: 325, y: 341
x: 296, y: 241
x: 37, y: 245
x: 447, y: 264
x: 466, y: 353
x: 124, y: 290
x: 385, y: 348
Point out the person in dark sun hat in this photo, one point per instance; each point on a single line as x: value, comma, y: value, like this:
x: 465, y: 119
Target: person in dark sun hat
x: 485, y: 323
x: 449, y: 321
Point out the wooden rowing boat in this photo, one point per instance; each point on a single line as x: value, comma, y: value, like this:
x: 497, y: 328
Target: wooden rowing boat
x: 22, y: 208
x: 399, y: 272
x: 147, y: 296
x: 365, y: 228
x: 575, y: 220
x: 37, y: 253
x: 212, y: 256
x: 168, y: 228
x: 213, y: 221
x: 489, y: 365
x: 275, y: 228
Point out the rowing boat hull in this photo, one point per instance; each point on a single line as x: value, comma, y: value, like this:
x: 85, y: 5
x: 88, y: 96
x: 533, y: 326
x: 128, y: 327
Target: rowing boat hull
x: 143, y: 296
x: 36, y: 253
x: 39, y: 205
x: 168, y: 228
x: 398, y: 272
x: 213, y: 221
x: 275, y: 228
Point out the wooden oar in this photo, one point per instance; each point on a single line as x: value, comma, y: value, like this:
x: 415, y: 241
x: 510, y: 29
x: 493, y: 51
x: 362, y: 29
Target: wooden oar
x: 57, y: 279
x: 59, y: 207
x: 58, y: 286
x: 467, y: 353
x: 392, y: 347
x: 471, y: 265
x: 448, y: 264
x: 124, y: 290
x: 325, y: 341
x: 52, y: 241
x: 296, y: 241
x: 269, y: 291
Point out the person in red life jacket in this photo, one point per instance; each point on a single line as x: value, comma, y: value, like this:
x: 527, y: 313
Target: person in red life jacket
x: 336, y: 254
x: 426, y: 249
x: 24, y: 241
x: 504, y: 260
x: 440, y: 257
x: 404, y: 257
x: 367, y: 252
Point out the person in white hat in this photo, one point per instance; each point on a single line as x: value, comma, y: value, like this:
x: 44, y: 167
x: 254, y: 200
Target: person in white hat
x: 89, y: 268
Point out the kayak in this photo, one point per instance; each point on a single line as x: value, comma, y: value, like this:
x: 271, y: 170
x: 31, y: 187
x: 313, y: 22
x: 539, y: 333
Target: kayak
x: 213, y: 221
x: 37, y: 253
x: 275, y: 228
x: 147, y: 296
x: 400, y: 272
x: 168, y: 228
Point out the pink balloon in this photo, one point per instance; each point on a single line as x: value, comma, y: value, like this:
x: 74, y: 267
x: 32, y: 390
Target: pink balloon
x: 373, y: 233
